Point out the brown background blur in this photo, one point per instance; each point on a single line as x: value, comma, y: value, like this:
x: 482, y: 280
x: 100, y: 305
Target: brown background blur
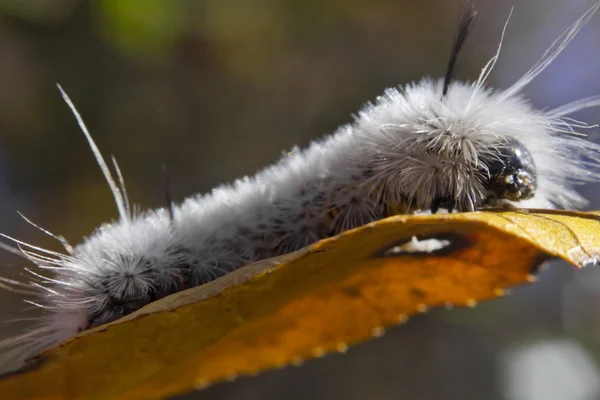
x: 216, y: 89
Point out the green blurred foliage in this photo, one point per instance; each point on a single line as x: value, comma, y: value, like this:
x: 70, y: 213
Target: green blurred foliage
x: 142, y: 28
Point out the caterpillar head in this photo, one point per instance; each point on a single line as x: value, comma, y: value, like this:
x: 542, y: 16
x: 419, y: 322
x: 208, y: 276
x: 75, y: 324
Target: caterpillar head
x: 512, y: 176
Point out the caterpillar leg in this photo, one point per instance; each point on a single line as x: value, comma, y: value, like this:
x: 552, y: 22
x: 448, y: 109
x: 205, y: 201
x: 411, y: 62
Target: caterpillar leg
x: 443, y: 202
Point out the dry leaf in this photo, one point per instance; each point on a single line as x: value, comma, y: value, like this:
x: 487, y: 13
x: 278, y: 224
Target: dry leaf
x: 337, y: 292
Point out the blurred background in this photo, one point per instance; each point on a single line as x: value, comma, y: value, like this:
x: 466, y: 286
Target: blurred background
x: 216, y: 89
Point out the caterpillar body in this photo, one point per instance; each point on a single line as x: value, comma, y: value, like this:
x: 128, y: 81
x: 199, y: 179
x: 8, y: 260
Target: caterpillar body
x: 430, y: 144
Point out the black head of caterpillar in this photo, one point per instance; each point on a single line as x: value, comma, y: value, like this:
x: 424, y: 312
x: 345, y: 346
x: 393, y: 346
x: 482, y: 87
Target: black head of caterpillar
x: 513, y: 175
x: 429, y: 144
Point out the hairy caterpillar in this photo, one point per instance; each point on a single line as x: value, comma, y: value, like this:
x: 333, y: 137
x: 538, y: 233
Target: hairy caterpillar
x: 431, y: 144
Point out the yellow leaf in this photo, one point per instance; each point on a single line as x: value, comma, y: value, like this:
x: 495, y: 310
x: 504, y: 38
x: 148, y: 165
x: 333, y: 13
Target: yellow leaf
x: 321, y: 299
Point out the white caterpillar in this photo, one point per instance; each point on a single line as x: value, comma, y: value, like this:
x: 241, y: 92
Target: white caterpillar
x: 429, y: 144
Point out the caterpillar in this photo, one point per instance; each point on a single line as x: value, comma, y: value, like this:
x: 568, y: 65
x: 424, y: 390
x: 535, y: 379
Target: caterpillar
x: 431, y: 144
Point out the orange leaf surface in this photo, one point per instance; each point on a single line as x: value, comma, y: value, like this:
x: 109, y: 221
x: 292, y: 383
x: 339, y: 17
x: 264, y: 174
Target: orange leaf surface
x: 282, y: 311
